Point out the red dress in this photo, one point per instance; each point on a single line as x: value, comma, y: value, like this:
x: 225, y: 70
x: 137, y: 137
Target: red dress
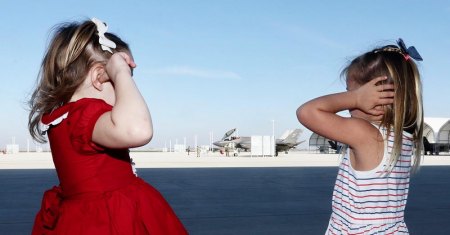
x: 98, y: 192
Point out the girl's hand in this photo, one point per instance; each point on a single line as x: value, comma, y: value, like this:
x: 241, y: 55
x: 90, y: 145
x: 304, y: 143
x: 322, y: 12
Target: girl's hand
x: 370, y: 97
x: 120, y: 63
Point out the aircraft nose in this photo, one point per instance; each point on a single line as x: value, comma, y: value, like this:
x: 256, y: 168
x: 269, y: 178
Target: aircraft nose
x: 217, y: 143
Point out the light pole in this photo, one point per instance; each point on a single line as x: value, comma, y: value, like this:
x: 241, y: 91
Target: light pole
x: 273, y: 139
x: 210, y: 140
x: 195, y: 141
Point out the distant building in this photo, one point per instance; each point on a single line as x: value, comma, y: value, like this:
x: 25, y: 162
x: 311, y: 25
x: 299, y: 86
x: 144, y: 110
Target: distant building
x: 12, y: 148
x: 437, y: 132
x: 319, y: 143
x: 262, y: 145
x: 179, y: 148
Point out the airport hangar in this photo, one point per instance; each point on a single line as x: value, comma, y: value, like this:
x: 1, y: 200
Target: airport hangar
x: 435, y: 130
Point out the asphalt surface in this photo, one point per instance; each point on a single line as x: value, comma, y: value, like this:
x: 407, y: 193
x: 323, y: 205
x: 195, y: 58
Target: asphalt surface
x: 240, y: 200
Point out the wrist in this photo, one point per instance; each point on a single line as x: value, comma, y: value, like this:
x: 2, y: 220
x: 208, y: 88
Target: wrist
x: 121, y: 75
x: 354, y: 99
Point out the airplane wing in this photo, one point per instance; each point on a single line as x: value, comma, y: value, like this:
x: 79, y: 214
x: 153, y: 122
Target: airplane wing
x: 244, y: 143
x: 299, y: 142
x: 290, y: 145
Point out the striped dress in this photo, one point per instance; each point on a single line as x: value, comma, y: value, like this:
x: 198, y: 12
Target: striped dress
x: 370, y: 202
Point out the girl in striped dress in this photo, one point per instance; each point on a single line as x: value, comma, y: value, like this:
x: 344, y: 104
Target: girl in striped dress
x: 383, y: 135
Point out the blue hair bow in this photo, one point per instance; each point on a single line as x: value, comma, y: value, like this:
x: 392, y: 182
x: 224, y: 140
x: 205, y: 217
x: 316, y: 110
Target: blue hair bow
x: 410, y: 51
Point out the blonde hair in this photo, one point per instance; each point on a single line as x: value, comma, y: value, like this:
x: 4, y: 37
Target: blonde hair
x: 73, y: 50
x: 406, y: 113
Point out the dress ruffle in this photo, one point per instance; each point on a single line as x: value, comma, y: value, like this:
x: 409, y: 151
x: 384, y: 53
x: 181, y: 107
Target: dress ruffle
x: 135, y: 209
x: 50, y: 210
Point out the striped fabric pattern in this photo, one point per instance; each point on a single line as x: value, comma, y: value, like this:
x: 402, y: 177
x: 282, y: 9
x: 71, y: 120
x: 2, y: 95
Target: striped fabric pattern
x: 372, y: 202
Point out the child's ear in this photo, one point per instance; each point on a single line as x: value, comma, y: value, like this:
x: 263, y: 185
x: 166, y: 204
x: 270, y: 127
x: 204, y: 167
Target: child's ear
x: 97, y: 75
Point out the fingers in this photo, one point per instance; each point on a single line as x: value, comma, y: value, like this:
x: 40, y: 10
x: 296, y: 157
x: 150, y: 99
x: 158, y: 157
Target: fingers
x: 379, y: 108
x: 387, y: 94
x: 377, y: 117
x: 378, y: 79
x: 127, y: 59
x: 386, y: 101
x: 376, y: 111
x: 385, y: 87
x: 385, y: 98
x: 118, y: 63
x: 386, y: 91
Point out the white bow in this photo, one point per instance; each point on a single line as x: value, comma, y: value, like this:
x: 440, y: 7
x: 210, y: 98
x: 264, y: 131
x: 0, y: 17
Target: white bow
x: 106, y: 44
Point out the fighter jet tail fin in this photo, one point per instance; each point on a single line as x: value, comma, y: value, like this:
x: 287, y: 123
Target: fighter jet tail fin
x: 291, y: 135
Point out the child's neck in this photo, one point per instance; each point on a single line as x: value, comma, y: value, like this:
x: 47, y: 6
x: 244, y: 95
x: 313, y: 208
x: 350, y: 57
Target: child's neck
x: 83, y: 93
x: 91, y: 92
x: 86, y: 91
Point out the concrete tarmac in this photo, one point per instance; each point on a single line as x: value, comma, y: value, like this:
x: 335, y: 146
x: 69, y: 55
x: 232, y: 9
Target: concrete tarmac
x: 265, y: 200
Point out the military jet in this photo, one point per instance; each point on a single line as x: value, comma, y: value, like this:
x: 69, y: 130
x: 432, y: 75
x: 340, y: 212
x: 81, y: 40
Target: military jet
x: 286, y: 142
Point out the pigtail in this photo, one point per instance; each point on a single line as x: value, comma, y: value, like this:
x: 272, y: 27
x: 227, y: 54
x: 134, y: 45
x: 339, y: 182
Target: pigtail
x: 407, y: 110
x: 418, y: 133
x: 398, y: 116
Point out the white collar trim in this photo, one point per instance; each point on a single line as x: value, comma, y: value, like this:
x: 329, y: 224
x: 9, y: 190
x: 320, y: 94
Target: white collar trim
x: 44, y: 127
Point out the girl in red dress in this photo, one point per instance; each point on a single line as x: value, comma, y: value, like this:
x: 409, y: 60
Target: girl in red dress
x: 91, y: 110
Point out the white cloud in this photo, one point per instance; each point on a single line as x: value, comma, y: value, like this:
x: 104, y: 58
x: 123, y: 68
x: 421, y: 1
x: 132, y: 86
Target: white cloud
x: 190, y: 72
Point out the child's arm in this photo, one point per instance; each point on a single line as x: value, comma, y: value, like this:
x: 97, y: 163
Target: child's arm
x: 319, y: 115
x: 129, y: 123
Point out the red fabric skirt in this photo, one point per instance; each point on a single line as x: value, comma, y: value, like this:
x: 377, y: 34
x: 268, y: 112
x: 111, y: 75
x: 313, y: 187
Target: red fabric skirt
x: 137, y: 208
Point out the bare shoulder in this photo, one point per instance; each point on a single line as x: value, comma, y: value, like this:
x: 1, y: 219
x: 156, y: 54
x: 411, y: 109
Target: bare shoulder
x: 367, y: 152
x: 364, y: 133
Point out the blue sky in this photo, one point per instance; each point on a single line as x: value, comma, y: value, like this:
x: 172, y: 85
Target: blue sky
x: 209, y: 66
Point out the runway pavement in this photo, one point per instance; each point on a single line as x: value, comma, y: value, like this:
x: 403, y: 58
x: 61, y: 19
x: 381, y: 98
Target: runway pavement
x: 240, y: 200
